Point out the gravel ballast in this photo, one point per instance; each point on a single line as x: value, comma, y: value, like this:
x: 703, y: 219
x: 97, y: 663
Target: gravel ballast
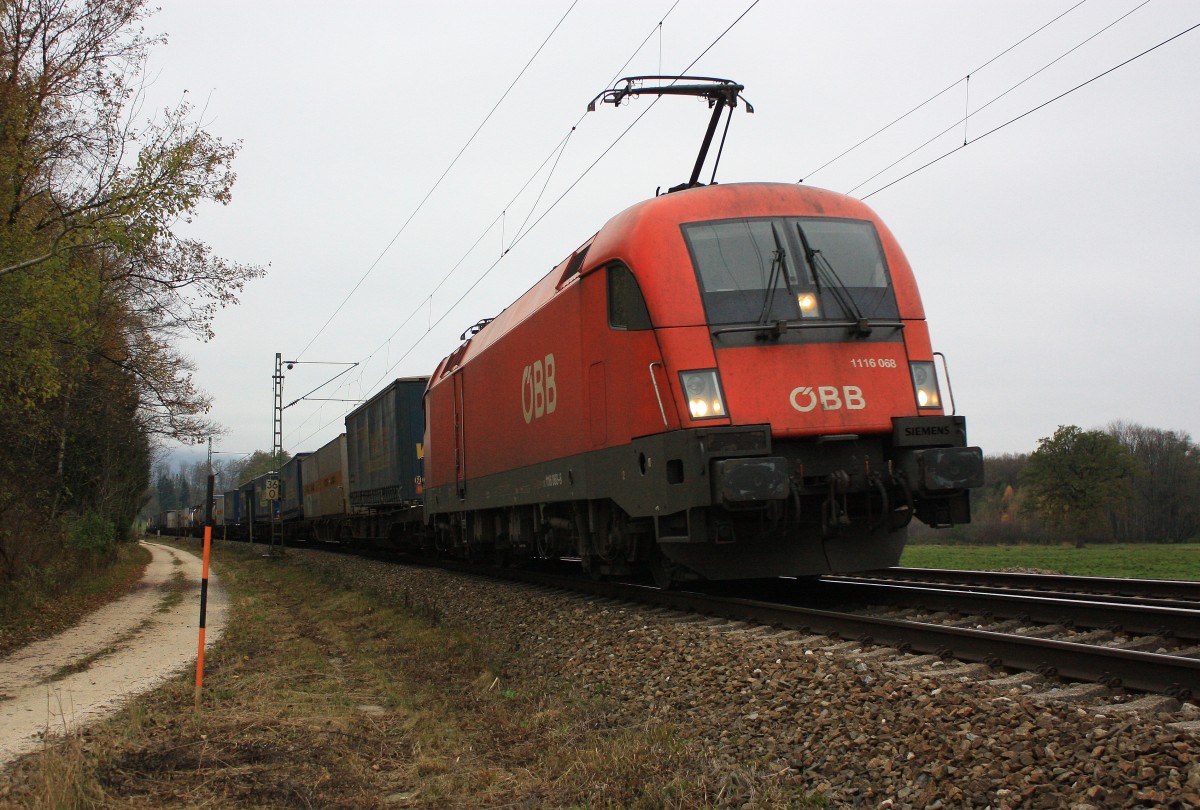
x: 862, y: 727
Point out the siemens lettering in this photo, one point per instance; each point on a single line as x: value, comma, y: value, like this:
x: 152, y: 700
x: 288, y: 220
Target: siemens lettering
x: 929, y: 430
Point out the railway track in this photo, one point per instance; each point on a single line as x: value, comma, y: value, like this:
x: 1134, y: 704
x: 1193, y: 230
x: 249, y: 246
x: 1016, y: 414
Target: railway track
x: 951, y: 626
x: 1147, y: 590
x: 1118, y: 635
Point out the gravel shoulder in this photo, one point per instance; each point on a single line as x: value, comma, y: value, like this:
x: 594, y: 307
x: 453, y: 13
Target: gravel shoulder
x: 861, y: 727
x: 125, y: 648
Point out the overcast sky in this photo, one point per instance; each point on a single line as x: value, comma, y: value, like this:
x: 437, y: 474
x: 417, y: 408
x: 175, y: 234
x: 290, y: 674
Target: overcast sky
x: 1057, y: 257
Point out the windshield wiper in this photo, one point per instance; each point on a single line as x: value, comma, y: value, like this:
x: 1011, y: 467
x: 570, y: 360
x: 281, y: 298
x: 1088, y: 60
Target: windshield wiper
x: 845, y: 300
x: 778, y: 268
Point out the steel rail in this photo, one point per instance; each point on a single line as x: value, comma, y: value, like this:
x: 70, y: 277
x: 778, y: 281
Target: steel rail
x: 1143, y: 671
x: 1002, y: 590
x: 1071, y: 610
x: 1143, y: 588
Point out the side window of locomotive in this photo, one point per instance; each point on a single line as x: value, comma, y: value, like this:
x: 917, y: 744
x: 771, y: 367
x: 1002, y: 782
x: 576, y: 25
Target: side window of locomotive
x: 626, y: 306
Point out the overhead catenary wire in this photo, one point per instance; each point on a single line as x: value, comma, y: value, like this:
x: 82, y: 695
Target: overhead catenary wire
x: 1034, y: 109
x: 1040, y: 70
x: 438, y: 182
x: 938, y: 94
x: 349, y: 367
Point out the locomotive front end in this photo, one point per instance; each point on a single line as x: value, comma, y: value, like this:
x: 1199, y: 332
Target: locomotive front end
x: 820, y: 415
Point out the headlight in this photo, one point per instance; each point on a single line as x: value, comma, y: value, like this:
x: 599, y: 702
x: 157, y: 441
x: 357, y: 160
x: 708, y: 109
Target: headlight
x: 809, y: 308
x: 925, y: 385
x: 703, y: 390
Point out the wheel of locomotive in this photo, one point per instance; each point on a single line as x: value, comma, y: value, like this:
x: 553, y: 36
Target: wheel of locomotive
x: 662, y: 570
x: 443, y: 542
x: 609, y: 543
x: 501, y: 557
x: 544, y: 542
x: 501, y: 548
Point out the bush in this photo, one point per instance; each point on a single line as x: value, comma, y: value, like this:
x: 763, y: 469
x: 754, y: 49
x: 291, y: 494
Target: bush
x: 93, y: 535
x: 984, y: 533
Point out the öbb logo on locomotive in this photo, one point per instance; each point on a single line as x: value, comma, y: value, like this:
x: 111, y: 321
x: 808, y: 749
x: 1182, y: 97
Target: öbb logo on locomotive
x: 805, y: 399
x: 539, y: 394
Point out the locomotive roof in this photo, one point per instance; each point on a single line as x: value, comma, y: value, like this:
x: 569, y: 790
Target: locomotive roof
x: 649, y: 230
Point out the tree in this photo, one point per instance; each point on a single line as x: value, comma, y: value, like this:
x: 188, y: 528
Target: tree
x: 257, y: 463
x: 995, y: 499
x: 1166, y: 503
x: 96, y: 281
x: 1075, y: 478
x: 168, y: 493
x: 89, y: 203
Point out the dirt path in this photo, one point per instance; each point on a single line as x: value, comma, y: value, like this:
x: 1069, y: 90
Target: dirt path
x: 126, y: 647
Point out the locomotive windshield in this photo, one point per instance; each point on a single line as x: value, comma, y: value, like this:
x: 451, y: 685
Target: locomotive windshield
x: 790, y: 269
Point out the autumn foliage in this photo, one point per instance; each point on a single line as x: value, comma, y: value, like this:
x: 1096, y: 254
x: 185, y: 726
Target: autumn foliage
x: 1126, y: 483
x: 97, y: 283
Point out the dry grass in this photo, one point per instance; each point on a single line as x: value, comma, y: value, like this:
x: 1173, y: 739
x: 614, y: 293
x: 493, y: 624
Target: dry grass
x: 174, y: 590
x: 320, y: 696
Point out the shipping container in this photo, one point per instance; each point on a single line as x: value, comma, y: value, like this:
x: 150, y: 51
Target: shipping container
x: 232, y: 515
x: 256, y: 507
x: 324, y: 477
x: 291, y: 488
x: 384, y: 446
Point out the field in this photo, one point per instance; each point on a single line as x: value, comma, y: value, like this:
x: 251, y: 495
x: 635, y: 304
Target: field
x: 1151, y: 561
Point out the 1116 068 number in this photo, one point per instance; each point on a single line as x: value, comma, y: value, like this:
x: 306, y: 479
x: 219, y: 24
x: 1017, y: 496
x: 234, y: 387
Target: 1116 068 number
x: 873, y: 362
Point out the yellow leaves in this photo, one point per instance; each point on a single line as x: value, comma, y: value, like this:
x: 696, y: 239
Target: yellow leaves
x: 118, y: 283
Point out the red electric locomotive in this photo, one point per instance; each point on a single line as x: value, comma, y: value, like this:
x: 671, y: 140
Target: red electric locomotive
x: 725, y: 382
x: 728, y: 382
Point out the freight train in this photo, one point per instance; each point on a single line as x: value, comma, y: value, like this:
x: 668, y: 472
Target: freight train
x: 724, y: 382
x: 729, y: 381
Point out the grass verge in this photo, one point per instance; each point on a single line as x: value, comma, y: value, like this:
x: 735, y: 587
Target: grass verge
x: 320, y: 695
x: 1148, y: 561
x: 35, y: 609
